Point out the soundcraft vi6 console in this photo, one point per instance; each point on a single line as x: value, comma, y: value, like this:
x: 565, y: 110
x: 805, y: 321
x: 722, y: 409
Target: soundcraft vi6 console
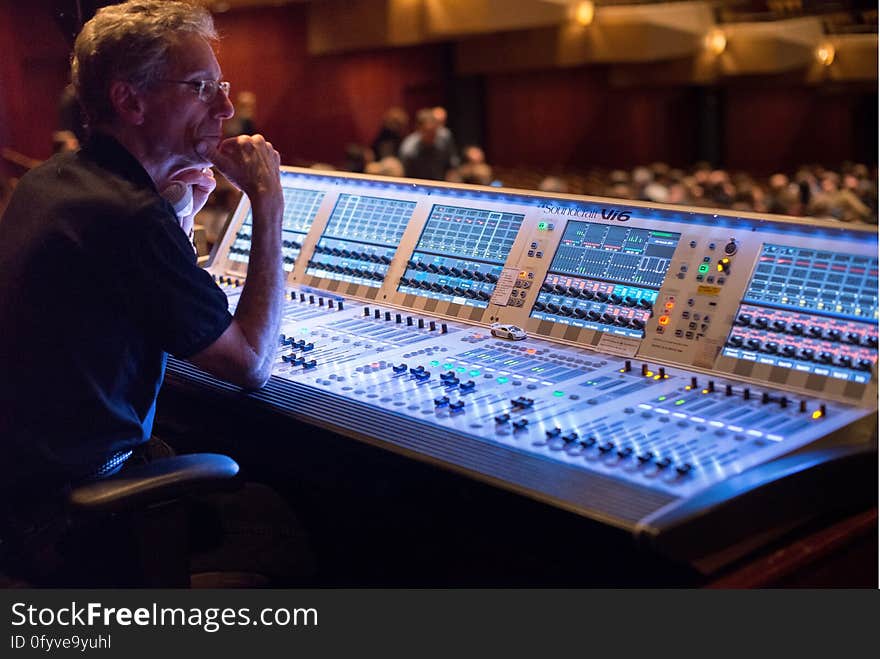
x: 679, y: 364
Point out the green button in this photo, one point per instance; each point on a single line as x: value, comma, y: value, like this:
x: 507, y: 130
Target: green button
x: 435, y: 362
x: 447, y: 366
x: 704, y: 268
x: 461, y: 369
x: 680, y: 401
x: 558, y: 394
x: 502, y: 380
x: 474, y: 373
x: 662, y: 398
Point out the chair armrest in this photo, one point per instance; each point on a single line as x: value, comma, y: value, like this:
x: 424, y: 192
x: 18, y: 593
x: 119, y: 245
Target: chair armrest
x: 156, y: 482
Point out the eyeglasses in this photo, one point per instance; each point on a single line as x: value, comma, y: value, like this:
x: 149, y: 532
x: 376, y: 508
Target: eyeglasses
x: 206, y: 89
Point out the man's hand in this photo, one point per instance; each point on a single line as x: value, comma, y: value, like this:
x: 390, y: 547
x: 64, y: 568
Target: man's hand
x: 253, y: 166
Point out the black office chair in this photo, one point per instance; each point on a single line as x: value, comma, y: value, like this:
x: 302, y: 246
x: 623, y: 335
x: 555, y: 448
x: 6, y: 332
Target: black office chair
x: 130, y: 529
x: 147, y: 507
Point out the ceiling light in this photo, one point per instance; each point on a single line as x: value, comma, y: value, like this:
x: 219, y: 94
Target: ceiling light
x: 583, y: 12
x: 825, y: 53
x: 716, y: 41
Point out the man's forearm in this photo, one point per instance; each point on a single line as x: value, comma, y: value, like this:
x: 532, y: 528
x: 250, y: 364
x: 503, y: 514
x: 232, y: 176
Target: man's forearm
x: 259, y: 308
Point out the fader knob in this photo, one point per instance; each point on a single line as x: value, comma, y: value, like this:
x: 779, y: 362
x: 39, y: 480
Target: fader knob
x: 744, y: 319
x: 779, y: 326
x: 796, y: 328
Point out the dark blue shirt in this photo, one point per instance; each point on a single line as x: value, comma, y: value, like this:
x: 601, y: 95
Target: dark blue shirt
x: 98, y: 283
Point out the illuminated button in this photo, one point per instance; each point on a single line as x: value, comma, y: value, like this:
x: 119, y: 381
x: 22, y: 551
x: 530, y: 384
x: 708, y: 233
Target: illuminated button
x: 723, y: 266
x: 663, y: 320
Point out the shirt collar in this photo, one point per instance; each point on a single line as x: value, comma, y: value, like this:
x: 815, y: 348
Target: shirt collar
x: 109, y: 153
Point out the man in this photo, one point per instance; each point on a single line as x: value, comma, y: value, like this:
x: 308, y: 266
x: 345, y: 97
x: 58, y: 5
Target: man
x: 428, y: 152
x: 98, y: 280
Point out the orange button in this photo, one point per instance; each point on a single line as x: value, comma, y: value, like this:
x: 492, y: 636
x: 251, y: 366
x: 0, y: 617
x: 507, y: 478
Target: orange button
x: 663, y: 320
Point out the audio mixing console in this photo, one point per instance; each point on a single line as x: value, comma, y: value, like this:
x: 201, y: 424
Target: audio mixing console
x: 677, y: 361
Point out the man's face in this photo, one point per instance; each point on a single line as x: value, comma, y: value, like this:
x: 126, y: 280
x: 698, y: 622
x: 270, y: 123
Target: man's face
x: 175, y: 118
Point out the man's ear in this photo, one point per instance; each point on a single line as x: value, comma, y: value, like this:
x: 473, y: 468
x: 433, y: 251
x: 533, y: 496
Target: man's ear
x: 127, y: 102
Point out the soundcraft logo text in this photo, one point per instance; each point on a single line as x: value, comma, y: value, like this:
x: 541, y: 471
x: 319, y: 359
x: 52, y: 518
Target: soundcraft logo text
x: 589, y: 213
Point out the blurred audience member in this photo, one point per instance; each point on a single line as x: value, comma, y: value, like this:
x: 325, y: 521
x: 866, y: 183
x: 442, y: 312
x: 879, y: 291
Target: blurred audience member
x: 394, y: 127
x: 387, y: 166
x: 476, y: 173
x: 423, y: 153
x: 357, y: 157
x: 553, y: 184
x: 444, y: 135
x: 64, y: 141
x: 70, y: 115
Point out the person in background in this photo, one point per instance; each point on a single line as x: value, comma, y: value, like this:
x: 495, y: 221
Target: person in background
x: 424, y: 155
x: 394, y: 126
x: 553, y: 184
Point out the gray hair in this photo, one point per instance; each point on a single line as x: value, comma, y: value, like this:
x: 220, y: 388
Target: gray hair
x: 131, y: 41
